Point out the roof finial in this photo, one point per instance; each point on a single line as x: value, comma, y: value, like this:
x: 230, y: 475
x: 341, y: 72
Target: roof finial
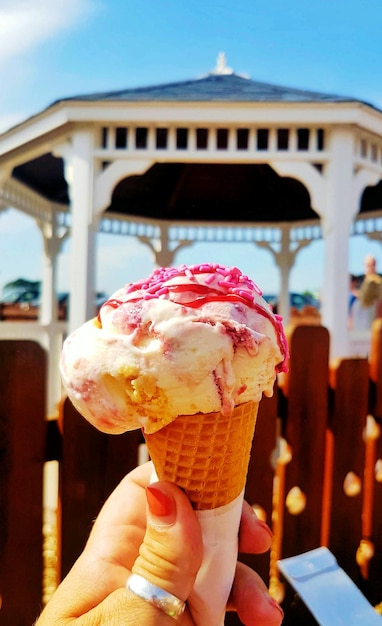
x: 221, y: 65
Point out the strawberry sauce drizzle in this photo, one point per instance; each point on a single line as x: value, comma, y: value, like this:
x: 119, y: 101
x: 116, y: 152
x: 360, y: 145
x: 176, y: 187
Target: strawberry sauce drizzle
x: 237, y: 288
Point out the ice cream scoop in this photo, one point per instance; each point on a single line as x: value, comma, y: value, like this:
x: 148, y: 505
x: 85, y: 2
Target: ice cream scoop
x: 185, y: 340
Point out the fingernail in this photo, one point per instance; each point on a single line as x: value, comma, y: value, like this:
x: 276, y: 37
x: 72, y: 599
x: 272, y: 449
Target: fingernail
x: 265, y: 527
x: 162, y: 507
x: 276, y: 605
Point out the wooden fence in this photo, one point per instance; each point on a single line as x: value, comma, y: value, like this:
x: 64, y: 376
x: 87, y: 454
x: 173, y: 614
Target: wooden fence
x: 315, y: 471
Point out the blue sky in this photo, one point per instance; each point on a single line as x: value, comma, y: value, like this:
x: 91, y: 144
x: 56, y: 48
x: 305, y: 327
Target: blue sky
x: 50, y: 50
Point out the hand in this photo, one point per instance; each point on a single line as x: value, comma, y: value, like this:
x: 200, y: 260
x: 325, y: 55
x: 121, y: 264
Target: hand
x: 165, y: 546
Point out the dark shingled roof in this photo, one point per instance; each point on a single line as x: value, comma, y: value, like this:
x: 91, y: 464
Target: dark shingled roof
x: 213, y: 88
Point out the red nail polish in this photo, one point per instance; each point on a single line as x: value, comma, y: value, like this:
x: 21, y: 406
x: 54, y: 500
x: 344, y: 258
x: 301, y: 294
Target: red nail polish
x: 161, y: 505
x: 276, y: 605
x: 265, y: 527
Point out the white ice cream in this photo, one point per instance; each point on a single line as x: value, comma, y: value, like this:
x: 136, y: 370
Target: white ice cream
x: 186, y: 340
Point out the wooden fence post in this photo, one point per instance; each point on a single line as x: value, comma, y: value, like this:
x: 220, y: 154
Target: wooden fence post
x: 22, y: 447
x: 374, y: 585
x: 306, y: 390
x: 259, y: 488
x: 92, y: 465
x: 349, y: 380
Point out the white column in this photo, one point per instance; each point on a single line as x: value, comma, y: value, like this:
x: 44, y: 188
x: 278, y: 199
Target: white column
x: 51, y: 247
x: 340, y: 210
x: 285, y: 260
x: 48, y: 312
x: 83, y: 230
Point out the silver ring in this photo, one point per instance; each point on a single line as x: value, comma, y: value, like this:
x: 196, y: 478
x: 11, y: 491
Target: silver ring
x: 163, y: 600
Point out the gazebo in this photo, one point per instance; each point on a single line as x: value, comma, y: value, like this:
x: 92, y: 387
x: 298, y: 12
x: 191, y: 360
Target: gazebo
x: 217, y: 158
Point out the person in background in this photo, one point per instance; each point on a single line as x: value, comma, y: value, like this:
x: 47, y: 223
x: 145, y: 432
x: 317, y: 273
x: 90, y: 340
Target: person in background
x: 353, y: 290
x: 368, y: 306
x: 152, y: 530
x: 353, y: 295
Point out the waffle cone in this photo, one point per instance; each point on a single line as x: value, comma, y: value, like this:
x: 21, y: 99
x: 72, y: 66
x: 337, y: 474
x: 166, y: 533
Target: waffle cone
x: 207, y: 455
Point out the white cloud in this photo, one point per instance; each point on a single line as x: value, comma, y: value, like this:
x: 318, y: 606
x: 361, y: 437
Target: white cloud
x: 24, y: 24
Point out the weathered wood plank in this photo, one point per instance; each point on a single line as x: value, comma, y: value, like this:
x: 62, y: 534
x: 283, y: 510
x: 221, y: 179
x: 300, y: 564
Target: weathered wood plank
x: 306, y: 389
x: 92, y: 465
x: 349, y: 380
x: 374, y: 582
x: 259, y: 488
x: 22, y: 446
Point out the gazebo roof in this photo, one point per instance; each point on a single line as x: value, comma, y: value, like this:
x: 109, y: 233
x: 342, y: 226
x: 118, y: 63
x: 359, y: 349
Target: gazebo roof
x: 207, y: 191
x: 213, y: 87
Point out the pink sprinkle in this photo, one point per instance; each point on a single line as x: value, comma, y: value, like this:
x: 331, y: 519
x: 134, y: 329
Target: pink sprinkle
x: 257, y: 289
x: 162, y: 291
x: 245, y: 294
x: 227, y: 283
x: 232, y: 279
x: 221, y: 270
x: 205, y: 268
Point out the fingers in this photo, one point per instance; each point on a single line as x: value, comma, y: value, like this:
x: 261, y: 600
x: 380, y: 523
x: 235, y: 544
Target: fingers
x: 109, y: 554
x: 94, y: 592
x: 254, y: 535
x: 250, y: 596
x: 122, y: 607
x: 169, y: 557
x: 251, y: 599
x: 121, y: 524
x: 172, y: 551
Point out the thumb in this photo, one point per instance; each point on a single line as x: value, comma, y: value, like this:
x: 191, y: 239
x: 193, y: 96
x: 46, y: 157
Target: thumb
x: 171, y: 553
x: 169, y: 557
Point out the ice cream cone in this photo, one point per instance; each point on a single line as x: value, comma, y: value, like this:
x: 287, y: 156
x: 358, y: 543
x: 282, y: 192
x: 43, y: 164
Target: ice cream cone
x: 207, y: 455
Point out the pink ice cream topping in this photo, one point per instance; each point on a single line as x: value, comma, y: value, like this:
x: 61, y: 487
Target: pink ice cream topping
x: 185, y: 340
x: 233, y: 286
